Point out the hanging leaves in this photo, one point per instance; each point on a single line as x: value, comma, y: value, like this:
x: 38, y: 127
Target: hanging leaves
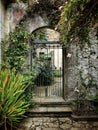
x: 77, y: 18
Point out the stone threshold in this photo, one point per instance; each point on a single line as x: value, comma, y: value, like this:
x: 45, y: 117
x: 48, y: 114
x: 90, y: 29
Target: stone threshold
x: 50, y: 109
x: 85, y: 118
x: 49, y: 112
x: 50, y: 101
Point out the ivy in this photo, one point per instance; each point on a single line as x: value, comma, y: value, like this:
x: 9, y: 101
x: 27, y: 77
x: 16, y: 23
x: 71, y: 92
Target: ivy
x: 16, y: 49
x: 76, y: 20
x: 49, y: 7
x: 40, y: 35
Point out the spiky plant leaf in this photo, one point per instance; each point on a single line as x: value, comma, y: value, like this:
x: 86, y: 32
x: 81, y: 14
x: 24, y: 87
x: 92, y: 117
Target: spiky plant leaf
x: 12, y: 103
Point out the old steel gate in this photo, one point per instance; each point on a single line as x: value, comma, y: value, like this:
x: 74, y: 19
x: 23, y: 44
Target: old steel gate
x: 47, y: 60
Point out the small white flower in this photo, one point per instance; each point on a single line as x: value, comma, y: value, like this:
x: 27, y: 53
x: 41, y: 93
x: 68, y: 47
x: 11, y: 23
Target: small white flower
x: 94, y: 57
x: 79, y: 67
x: 86, y: 81
x: 69, y: 55
x: 66, y: 19
x: 85, y: 72
x: 66, y: 2
x: 60, y: 7
x: 55, y: 28
x: 37, y: 1
x: 76, y: 90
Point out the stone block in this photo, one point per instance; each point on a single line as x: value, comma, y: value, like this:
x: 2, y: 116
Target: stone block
x: 65, y: 126
x: 38, y: 128
x: 73, y: 128
x: 50, y: 128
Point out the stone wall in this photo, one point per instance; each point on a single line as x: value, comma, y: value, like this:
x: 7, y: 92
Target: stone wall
x: 46, y: 123
x: 81, y: 65
x: 15, y: 14
x: 35, y: 21
x: 2, y: 15
x: 9, y: 18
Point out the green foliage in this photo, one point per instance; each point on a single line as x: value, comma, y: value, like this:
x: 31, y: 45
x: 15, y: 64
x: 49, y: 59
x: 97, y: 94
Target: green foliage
x: 57, y: 73
x: 77, y: 18
x: 40, y: 35
x: 45, y: 77
x: 44, y: 73
x: 50, y: 7
x: 15, y: 52
x: 12, y: 103
x: 95, y: 101
x: 29, y: 78
x: 16, y: 49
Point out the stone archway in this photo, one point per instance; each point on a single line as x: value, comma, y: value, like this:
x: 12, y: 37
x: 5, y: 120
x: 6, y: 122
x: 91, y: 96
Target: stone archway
x: 39, y: 19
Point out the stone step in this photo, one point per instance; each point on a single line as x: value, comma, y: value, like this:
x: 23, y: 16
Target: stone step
x: 50, y: 101
x: 49, y: 111
x: 49, y: 107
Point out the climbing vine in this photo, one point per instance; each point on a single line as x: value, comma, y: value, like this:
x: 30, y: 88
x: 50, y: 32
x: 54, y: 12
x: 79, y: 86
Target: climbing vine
x: 51, y: 8
x: 16, y: 48
x: 77, y: 19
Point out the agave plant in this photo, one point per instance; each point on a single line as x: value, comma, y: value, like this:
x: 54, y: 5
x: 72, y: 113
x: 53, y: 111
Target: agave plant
x: 12, y: 103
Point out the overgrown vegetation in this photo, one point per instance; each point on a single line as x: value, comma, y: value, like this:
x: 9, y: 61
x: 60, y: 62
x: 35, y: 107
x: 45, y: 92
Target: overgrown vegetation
x: 40, y: 35
x: 44, y: 73
x: 45, y: 77
x: 15, y: 56
x: 77, y: 19
x: 50, y: 8
x: 78, y: 27
x: 16, y: 48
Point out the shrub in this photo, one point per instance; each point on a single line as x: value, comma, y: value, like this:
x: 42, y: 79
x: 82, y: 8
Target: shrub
x: 29, y: 78
x: 15, y: 49
x: 45, y: 77
x: 12, y: 103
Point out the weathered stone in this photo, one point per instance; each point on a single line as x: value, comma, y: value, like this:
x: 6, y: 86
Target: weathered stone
x: 78, y: 124
x: 25, y: 124
x: 32, y: 128
x: 19, y: 129
x: 74, y: 128
x: 51, y: 128
x: 87, y: 127
x: 37, y: 119
x: 95, y: 124
x: 51, y: 125
x: 46, y: 123
x: 68, y: 121
x: 83, y: 122
x: 55, y: 125
x: 23, y: 128
x: 37, y: 123
x: 53, y: 119
x: 38, y: 128
x: 62, y: 120
x: 65, y: 126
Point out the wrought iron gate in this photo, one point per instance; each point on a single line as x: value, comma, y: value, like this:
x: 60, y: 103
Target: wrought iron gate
x: 46, y: 60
